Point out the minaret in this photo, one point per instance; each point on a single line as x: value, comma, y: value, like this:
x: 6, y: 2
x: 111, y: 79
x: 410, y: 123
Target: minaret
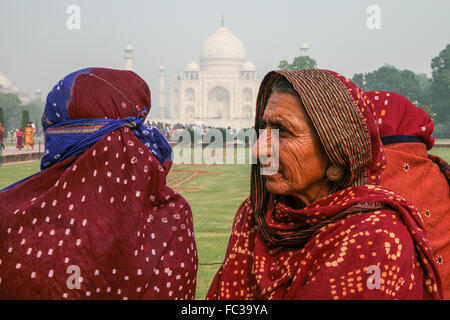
x: 303, y: 49
x: 162, y: 93
x: 129, y: 58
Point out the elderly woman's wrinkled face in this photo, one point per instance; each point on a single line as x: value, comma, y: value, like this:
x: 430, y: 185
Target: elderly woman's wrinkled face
x: 302, y: 161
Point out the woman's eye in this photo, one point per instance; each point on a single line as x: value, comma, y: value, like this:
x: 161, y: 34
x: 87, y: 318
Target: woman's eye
x: 282, y: 130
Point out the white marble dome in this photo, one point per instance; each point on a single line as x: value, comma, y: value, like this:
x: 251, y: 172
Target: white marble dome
x: 6, y: 85
x: 222, y: 51
x: 217, y: 90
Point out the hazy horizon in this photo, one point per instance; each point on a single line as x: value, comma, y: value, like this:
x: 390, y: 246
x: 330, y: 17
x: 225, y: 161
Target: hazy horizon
x: 37, y: 49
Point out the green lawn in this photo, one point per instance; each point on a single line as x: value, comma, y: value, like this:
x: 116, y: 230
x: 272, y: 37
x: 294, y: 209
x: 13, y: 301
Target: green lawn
x: 12, y: 173
x: 444, y: 153
x: 213, y: 204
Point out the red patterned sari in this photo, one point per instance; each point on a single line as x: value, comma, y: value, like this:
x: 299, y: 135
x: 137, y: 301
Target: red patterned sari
x: 361, y: 242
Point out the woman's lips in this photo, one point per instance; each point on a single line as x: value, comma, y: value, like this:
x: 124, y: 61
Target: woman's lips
x: 269, y: 169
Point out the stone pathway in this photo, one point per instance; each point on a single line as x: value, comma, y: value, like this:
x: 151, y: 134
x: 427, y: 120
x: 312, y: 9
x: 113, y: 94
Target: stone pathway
x: 10, y: 154
x: 9, y: 150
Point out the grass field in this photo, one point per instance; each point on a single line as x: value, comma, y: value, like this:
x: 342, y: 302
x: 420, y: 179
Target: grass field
x: 444, y: 153
x: 214, y: 202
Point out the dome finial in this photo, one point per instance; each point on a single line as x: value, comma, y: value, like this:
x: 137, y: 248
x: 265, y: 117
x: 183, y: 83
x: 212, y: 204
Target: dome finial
x: 304, y: 48
x: 222, y: 22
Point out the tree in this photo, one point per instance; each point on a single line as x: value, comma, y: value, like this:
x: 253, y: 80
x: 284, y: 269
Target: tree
x: 35, y: 112
x: 299, y: 63
x: 2, y: 118
x: 358, y: 79
x: 424, y: 82
x: 389, y: 78
x: 25, y: 118
x: 413, y: 86
x: 283, y: 65
x: 440, y: 85
x: 11, y: 108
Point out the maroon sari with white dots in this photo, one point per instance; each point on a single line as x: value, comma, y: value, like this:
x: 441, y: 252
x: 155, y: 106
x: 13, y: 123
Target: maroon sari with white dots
x: 101, y: 225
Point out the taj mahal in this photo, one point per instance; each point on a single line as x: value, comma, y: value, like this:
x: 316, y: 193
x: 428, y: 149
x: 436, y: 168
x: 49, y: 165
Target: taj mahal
x: 219, y: 91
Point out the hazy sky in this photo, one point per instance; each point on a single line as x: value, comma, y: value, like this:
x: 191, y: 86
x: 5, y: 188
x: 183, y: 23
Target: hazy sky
x: 37, y: 48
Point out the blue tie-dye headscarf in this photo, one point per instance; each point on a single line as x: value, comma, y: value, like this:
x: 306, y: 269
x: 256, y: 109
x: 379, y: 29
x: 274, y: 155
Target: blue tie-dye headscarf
x: 66, y: 137
x: 90, y: 103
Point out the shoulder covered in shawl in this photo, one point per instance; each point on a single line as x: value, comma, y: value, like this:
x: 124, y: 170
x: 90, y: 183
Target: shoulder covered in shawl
x: 365, y: 256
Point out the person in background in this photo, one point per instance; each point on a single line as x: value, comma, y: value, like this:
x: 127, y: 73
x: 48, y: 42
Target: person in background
x: 19, y: 137
x: 421, y: 178
x: 167, y: 132
x: 2, y: 133
x: 29, y: 136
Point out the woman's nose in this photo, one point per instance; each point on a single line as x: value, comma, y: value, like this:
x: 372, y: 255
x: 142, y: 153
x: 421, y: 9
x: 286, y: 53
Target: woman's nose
x: 263, y: 146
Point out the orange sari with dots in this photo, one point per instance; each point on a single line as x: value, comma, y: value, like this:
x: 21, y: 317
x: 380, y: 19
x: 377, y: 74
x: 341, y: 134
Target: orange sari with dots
x: 29, y: 136
x: 363, y: 241
x: 421, y: 178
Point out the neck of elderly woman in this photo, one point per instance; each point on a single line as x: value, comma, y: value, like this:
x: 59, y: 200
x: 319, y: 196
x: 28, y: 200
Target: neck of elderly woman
x: 312, y: 194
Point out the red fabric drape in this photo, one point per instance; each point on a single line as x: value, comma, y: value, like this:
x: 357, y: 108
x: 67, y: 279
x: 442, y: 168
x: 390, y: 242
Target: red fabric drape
x: 104, y: 219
